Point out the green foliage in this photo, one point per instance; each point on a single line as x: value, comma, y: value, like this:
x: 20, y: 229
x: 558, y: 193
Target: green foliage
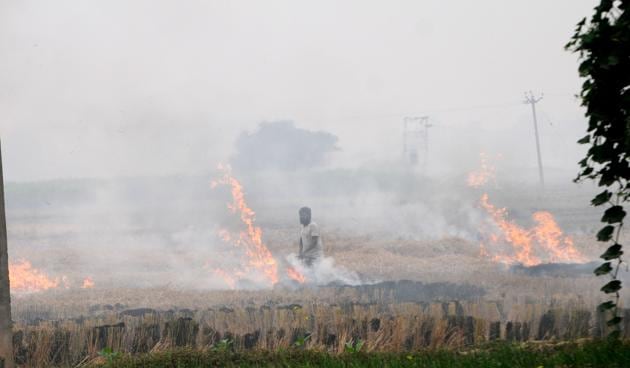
x: 603, y: 269
x: 601, y: 198
x: 300, y: 342
x: 603, y: 44
x: 612, y: 287
x: 613, y: 252
x: 616, y: 334
x: 353, y: 346
x: 606, y: 306
x: 602, y: 353
x: 606, y: 233
x: 110, y: 356
x: 613, y: 215
x: 223, y: 345
x: 613, y: 321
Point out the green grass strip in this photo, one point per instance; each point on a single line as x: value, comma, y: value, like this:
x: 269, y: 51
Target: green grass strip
x: 599, y: 353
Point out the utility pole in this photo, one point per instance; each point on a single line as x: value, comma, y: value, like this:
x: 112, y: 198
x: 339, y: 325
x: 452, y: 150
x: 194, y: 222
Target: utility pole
x: 6, y: 326
x: 416, y: 140
x: 530, y: 99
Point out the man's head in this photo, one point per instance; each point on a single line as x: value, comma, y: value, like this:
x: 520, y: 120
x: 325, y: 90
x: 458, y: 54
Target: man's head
x: 305, y: 216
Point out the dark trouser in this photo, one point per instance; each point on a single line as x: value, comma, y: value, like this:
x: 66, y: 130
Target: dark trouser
x: 308, y: 261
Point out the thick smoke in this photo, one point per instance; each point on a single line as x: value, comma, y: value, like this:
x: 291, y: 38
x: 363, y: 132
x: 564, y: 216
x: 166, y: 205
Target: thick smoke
x: 325, y: 272
x: 156, y: 231
x: 111, y: 134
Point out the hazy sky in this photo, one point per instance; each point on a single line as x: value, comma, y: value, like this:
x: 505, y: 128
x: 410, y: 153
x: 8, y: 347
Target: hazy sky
x: 108, y: 88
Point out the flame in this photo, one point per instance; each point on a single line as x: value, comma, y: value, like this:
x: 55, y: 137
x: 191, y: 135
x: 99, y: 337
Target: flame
x: 258, y: 257
x: 485, y: 174
x: 228, y: 278
x: 225, y: 235
x: 550, y: 237
x: 545, y: 238
x: 24, y: 278
x: 295, y: 275
x: 88, y: 283
x: 543, y: 242
x: 514, y: 234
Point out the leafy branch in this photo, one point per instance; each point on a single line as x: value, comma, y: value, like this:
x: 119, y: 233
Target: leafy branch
x: 603, y: 45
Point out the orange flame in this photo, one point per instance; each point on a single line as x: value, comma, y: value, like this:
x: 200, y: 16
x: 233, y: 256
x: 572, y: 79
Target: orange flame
x: 545, y: 235
x: 24, y: 278
x: 515, y: 235
x: 229, y: 279
x: 295, y: 275
x: 549, y: 236
x: 88, y: 283
x: 485, y: 174
x: 544, y: 242
x: 259, y: 258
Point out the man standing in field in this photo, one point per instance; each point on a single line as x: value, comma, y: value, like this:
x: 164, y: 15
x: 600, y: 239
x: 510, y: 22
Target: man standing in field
x: 311, y: 249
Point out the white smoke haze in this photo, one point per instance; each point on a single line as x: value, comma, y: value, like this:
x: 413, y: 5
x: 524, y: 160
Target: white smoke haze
x: 158, y: 87
x: 116, y: 114
x: 325, y: 272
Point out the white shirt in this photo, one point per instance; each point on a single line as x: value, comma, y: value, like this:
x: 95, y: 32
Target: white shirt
x: 310, y: 247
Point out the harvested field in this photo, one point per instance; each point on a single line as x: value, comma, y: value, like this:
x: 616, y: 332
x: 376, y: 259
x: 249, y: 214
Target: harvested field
x: 324, y: 326
x: 64, y: 327
x: 151, y: 290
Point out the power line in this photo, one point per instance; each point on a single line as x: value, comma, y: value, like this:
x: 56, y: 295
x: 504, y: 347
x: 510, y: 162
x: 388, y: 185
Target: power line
x: 443, y: 110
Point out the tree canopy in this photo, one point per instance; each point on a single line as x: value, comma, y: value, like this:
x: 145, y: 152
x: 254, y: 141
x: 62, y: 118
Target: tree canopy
x: 281, y: 145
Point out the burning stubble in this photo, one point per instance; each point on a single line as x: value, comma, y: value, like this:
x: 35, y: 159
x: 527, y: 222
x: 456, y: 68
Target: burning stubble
x: 543, y: 243
x: 257, y: 259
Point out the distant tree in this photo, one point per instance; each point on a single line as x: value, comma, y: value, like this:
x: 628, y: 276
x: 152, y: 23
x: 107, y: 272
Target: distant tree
x: 280, y: 145
x: 603, y: 45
